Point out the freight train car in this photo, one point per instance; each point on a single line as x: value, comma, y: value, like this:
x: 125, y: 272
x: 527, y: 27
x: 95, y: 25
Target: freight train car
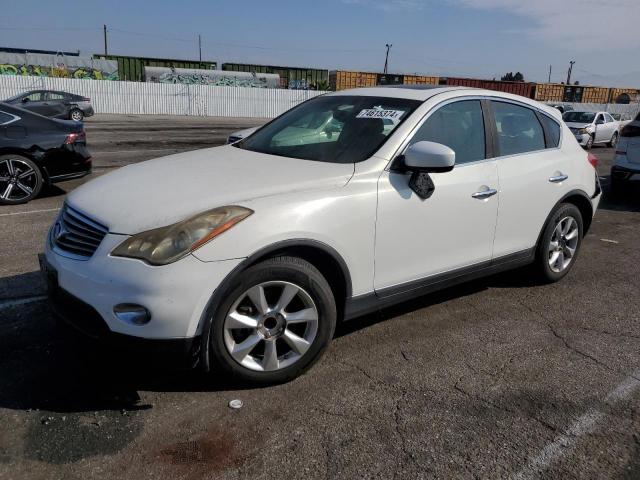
x: 290, y: 77
x: 524, y: 89
x: 132, y: 68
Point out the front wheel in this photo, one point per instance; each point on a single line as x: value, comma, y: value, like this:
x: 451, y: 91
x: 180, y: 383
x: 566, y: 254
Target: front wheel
x: 20, y: 179
x: 276, y: 320
x: 76, y: 114
x: 589, y: 144
x: 560, y: 243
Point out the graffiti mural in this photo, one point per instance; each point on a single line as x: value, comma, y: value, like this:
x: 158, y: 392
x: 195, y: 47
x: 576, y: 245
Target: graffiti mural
x: 218, y: 78
x: 57, y: 66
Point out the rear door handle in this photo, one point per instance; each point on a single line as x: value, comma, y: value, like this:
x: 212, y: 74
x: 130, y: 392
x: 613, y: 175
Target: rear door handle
x: 483, y: 194
x: 558, y: 178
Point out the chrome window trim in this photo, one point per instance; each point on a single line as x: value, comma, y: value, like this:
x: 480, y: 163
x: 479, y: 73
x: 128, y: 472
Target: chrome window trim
x: 405, y: 143
x: 14, y: 119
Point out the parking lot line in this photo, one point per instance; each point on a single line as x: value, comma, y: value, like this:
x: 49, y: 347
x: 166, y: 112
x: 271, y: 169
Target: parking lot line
x: 29, y: 211
x: 563, y: 444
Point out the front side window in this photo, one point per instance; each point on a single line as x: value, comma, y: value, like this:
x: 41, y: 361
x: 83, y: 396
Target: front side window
x: 336, y: 129
x: 34, y: 97
x: 519, y: 130
x: 459, y: 126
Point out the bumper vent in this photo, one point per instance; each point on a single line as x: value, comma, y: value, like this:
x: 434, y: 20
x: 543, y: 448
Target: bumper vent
x: 76, y: 233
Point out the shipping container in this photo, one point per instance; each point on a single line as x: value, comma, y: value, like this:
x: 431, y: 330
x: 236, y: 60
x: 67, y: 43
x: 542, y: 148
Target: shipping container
x: 132, y: 68
x: 343, y: 80
x: 624, y: 95
x: 573, y: 93
x: 595, y: 95
x: 549, y: 92
x: 295, y: 78
x: 420, y: 80
x: 524, y: 89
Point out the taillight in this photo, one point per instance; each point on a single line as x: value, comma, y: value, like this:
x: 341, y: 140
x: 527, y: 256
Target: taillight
x: 86, y: 99
x: 630, y: 131
x: 75, y: 137
x: 593, y: 160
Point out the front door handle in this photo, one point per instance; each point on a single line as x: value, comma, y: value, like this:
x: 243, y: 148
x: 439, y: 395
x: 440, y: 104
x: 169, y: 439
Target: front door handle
x: 483, y: 194
x: 558, y: 178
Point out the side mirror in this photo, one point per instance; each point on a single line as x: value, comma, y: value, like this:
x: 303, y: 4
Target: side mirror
x: 25, y: 99
x: 429, y: 157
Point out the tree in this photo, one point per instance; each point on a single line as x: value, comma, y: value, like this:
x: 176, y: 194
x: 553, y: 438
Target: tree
x: 511, y: 77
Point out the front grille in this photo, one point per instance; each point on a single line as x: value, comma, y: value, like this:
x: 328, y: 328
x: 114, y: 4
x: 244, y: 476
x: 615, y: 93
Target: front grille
x: 76, y: 233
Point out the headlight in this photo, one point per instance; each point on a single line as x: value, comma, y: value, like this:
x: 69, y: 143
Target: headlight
x: 165, y: 245
x: 583, y: 131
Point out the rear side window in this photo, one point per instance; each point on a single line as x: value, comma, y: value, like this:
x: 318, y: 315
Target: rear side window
x: 518, y: 128
x: 34, y: 97
x: 55, y: 96
x: 459, y: 126
x: 552, y: 131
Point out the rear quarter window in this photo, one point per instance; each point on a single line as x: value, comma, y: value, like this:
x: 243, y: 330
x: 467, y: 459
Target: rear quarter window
x: 552, y: 131
x: 5, y: 118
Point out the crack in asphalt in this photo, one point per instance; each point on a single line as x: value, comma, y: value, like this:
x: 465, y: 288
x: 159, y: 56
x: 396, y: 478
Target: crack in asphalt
x: 577, y: 350
x: 613, y: 334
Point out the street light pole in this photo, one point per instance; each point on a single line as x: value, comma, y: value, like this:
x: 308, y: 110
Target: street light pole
x: 569, y: 72
x: 200, y: 47
x: 386, y: 60
x: 104, y: 32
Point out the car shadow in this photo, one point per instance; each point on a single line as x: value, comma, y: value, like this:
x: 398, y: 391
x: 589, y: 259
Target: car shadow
x: 626, y: 199
x: 49, y: 191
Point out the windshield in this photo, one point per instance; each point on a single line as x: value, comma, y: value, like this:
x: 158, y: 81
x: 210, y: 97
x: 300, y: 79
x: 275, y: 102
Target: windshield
x: 337, y: 129
x: 15, y: 97
x: 579, y: 117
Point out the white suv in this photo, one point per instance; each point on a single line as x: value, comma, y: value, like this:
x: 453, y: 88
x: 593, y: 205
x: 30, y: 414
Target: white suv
x: 245, y: 256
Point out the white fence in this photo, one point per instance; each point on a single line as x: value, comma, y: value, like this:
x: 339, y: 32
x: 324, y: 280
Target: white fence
x: 166, y: 99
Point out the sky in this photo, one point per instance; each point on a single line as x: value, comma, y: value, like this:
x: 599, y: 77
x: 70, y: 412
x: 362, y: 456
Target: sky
x: 467, y: 38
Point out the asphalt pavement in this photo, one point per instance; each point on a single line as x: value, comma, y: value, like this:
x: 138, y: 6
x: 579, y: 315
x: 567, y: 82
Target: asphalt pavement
x: 498, y: 378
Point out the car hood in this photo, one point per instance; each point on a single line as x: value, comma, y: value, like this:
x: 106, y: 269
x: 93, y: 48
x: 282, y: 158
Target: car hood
x: 167, y: 190
x: 577, y: 125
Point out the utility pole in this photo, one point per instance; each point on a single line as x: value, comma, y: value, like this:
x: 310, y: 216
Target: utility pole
x: 569, y: 72
x: 104, y: 31
x: 549, y: 73
x: 200, y: 47
x: 386, y: 60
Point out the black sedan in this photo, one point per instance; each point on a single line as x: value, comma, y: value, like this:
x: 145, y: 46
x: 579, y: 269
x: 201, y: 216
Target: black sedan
x: 54, y: 104
x: 36, y: 150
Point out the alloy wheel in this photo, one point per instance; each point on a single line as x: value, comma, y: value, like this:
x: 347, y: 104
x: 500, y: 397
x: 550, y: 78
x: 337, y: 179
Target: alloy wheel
x: 563, y: 244
x: 76, y: 115
x: 17, y: 179
x: 271, y: 326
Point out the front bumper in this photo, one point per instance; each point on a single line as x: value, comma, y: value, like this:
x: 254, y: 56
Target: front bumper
x: 176, y: 295
x: 582, y: 138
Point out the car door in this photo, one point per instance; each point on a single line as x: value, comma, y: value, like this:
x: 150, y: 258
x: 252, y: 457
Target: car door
x: 601, y: 129
x: 55, y: 103
x: 416, y: 239
x: 34, y: 102
x: 532, y: 171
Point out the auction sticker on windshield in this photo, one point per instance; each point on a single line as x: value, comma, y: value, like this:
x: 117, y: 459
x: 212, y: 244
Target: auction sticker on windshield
x: 377, y: 113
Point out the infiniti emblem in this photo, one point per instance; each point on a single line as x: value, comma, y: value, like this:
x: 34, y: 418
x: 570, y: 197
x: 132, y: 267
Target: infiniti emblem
x: 58, y: 231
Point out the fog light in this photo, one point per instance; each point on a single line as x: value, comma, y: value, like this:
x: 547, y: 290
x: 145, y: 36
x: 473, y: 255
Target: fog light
x: 132, y: 314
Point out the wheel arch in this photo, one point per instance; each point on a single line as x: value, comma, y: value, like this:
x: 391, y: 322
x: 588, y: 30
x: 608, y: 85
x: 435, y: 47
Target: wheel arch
x: 582, y: 201
x: 322, y: 256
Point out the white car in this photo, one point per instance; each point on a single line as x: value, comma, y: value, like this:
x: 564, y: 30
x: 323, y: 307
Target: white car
x: 592, y: 128
x: 245, y: 256
x: 626, y: 163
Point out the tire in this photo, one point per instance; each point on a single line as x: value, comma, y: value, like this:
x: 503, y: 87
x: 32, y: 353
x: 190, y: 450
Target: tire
x: 614, y: 141
x: 76, y: 114
x: 565, y: 214
x: 20, y: 179
x: 269, y: 330
x: 589, y: 144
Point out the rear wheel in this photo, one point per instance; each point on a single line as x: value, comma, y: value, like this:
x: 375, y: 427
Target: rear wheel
x: 76, y: 114
x: 275, y: 321
x: 20, y: 179
x: 560, y: 243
